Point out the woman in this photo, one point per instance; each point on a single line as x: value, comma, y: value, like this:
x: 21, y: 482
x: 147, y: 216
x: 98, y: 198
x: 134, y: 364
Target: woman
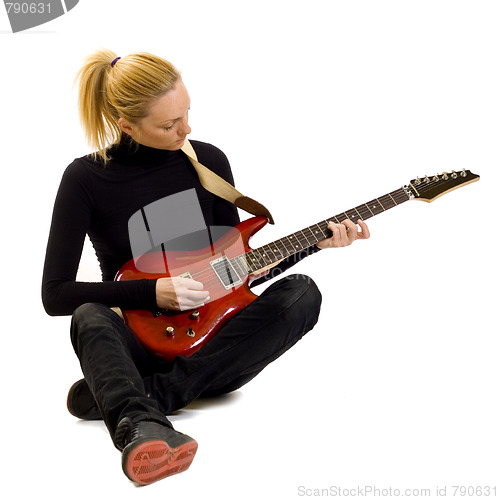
x: 134, y: 111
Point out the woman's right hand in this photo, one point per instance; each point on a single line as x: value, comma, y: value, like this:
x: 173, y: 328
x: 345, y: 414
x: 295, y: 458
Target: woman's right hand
x: 180, y: 294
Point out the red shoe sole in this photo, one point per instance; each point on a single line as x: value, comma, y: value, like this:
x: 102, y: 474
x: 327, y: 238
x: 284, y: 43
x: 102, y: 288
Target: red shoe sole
x: 153, y: 460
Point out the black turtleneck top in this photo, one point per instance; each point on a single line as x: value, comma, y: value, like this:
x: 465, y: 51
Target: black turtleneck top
x: 98, y: 200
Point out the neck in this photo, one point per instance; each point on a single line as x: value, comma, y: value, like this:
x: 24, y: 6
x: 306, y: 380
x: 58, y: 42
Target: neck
x: 129, y: 152
x: 267, y: 255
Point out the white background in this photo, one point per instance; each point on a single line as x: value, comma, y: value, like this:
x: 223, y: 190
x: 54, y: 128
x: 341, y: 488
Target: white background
x: 320, y: 106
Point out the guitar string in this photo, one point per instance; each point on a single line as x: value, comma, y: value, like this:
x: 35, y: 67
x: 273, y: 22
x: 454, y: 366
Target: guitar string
x: 208, y: 276
x: 397, y: 196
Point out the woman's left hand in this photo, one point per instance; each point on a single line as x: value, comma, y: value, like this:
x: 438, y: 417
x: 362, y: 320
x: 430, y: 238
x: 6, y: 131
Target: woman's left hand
x: 344, y: 234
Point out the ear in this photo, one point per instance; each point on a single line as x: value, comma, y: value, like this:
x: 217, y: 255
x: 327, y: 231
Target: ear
x: 126, y: 127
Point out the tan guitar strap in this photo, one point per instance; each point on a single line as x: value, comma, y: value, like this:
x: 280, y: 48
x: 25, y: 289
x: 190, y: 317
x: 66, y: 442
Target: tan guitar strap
x: 218, y: 186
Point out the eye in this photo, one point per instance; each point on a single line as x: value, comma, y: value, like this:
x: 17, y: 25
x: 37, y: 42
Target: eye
x: 168, y: 128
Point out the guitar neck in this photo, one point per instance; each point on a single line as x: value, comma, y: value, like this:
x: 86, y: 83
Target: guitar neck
x: 269, y: 254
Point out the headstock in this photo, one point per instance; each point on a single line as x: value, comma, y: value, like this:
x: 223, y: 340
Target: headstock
x: 430, y: 188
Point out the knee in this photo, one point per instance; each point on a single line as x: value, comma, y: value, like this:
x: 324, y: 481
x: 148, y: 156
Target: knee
x: 311, y: 297
x: 307, y: 297
x: 84, y: 311
x: 91, y: 312
x: 86, y: 318
x: 306, y: 288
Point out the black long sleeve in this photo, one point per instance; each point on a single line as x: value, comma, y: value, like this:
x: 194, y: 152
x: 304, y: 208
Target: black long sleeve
x: 99, y: 200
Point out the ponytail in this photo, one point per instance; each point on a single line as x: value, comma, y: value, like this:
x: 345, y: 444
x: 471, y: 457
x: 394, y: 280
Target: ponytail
x: 111, y: 87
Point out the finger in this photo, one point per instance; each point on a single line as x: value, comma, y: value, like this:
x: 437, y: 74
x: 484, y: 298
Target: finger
x: 365, y: 232
x: 194, y: 297
x: 336, y: 238
x: 194, y: 300
x: 187, y: 283
x: 341, y: 238
x: 351, y: 230
x: 200, y: 296
x: 194, y: 285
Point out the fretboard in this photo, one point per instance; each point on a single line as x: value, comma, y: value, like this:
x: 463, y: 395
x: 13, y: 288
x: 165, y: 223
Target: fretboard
x: 278, y: 250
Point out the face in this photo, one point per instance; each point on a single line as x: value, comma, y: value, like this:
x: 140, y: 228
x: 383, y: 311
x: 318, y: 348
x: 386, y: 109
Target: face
x: 166, y: 125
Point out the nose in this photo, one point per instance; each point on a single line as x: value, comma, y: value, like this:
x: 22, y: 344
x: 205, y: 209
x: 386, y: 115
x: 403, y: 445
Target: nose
x: 184, y: 128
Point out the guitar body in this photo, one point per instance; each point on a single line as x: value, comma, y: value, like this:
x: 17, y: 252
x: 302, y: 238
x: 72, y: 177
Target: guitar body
x: 170, y: 333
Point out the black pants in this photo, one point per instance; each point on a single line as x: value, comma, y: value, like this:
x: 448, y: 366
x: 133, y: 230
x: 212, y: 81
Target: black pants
x: 126, y: 380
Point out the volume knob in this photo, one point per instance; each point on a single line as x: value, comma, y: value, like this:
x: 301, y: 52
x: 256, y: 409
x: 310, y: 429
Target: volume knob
x: 195, y: 315
x: 170, y: 331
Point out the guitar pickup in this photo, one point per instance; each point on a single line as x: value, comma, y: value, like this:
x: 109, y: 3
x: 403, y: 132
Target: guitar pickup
x: 225, y: 272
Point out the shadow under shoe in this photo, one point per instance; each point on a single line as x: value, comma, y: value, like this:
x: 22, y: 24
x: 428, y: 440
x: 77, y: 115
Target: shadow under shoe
x: 81, y: 402
x: 153, y: 451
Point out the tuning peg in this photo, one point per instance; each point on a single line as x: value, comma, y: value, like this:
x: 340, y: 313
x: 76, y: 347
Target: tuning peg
x: 454, y: 175
x: 445, y: 176
x: 436, y: 177
x: 418, y: 181
x: 426, y: 179
x: 463, y: 173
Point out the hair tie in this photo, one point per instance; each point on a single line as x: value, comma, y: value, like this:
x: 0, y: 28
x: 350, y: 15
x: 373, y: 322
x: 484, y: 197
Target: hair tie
x: 114, y: 61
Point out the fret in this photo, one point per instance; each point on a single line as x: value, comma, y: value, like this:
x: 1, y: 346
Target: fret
x: 312, y: 237
x: 364, y: 212
x: 319, y: 231
x: 303, y: 239
x: 277, y: 252
x: 375, y: 207
x: 388, y: 202
x: 268, y: 255
x: 352, y: 215
x: 260, y: 253
x: 248, y: 262
x: 281, y: 248
x: 288, y: 245
x: 400, y: 196
x: 259, y: 258
x: 297, y: 245
x: 359, y: 215
x: 369, y: 210
x: 253, y: 264
x: 292, y: 241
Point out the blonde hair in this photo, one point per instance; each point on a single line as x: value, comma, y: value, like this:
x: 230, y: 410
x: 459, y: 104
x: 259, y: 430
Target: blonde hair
x: 110, y: 88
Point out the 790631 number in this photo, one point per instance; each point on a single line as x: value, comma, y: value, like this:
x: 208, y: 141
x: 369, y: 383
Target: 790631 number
x: 28, y: 8
x: 474, y: 491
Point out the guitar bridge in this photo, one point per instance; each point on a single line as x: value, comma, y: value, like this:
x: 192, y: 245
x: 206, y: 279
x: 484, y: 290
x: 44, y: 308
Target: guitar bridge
x: 225, y: 272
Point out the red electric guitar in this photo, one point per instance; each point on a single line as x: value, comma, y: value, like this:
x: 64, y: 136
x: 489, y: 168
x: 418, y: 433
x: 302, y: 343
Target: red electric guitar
x: 227, y: 266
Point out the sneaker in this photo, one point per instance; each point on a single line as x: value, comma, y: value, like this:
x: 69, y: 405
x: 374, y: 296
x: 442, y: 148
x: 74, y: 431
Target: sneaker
x: 153, y: 451
x: 81, y: 402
